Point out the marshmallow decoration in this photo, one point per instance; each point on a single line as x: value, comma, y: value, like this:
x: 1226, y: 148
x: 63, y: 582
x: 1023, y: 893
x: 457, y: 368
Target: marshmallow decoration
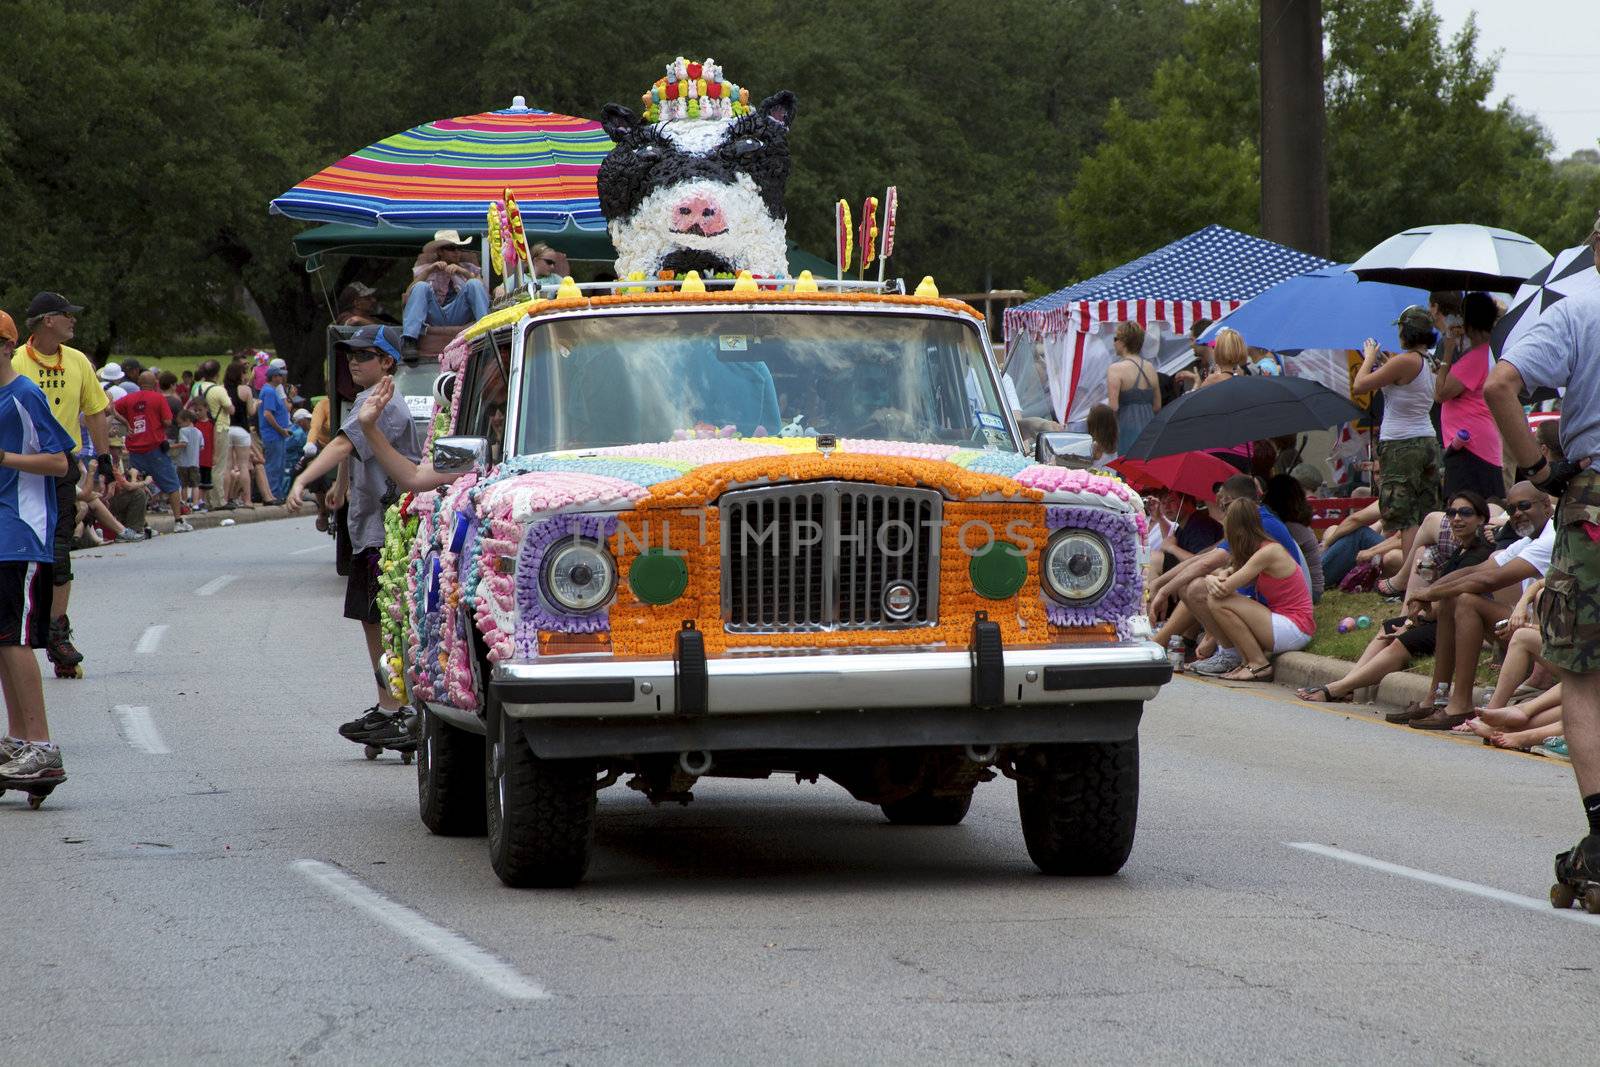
x: 744, y: 236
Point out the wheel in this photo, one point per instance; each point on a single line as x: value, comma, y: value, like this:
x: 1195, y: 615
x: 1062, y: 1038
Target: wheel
x: 1079, y: 804
x: 540, y: 812
x: 35, y: 800
x: 450, y: 794
x: 926, y: 809
x: 372, y: 751
x: 1591, y: 899
x: 407, y: 757
x: 1562, y: 895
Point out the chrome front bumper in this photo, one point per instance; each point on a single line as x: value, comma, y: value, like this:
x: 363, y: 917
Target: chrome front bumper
x: 778, y: 681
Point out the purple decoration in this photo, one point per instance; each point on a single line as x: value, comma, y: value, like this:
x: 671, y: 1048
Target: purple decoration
x: 458, y: 536
x: 533, y: 613
x: 1125, y: 597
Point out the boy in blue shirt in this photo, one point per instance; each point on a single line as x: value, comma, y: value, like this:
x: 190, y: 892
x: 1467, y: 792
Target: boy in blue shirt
x: 33, y: 454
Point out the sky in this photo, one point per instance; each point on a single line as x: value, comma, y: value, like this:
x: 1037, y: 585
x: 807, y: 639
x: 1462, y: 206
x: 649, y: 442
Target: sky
x: 1550, y: 64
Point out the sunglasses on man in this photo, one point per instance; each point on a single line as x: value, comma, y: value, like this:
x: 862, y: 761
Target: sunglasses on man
x: 1522, y: 505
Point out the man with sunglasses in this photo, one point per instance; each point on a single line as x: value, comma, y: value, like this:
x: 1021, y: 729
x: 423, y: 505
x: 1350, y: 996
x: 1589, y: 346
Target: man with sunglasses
x: 1465, y: 617
x: 372, y: 352
x: 70, y: 384
x: 446, y: 290
x: 1562, y: 350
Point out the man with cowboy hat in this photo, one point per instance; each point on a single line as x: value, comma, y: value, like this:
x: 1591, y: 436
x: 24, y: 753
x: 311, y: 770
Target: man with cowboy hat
x: 446, y: 290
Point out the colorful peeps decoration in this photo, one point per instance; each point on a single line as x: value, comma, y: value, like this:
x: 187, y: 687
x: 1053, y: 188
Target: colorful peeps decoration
x: 869, y: 233
x: 496, y: 241
x: 519, y: 237
x: 842, y: 236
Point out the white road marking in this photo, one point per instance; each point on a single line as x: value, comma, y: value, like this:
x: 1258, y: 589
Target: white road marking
x: 215, y: 585
x: 150, y: 640
x: 1486, y: 891
x: 314, y: 548
x: 449, y: 946
x: 139, y: 730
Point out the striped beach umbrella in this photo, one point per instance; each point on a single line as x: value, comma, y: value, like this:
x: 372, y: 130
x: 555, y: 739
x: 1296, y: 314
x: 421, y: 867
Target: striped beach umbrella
x: 446, y: 173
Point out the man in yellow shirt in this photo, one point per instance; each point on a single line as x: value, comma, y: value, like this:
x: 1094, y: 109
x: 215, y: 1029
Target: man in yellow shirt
x: 69, y: 383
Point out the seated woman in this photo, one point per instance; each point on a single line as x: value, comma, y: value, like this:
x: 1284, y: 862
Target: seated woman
x: 1416, y: 633
x: 1287, y: 499
x: 1281, y: 620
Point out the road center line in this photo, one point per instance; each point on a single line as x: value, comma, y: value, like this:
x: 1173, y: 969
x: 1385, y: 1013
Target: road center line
x: 150, y: 640
x: 139, y: 730
x: 449, y: 946
x: 314, y: 548
x: 1446, y: 882
x: 215, y: 584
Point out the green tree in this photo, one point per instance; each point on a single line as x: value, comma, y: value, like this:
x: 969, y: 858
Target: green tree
x: 1412, y: 138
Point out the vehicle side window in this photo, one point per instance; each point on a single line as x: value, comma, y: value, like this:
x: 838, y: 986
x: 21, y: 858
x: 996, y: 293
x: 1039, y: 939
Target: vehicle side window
x: 483, y: 404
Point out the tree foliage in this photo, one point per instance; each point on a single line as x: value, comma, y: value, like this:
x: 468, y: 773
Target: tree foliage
x: 1412, y: 139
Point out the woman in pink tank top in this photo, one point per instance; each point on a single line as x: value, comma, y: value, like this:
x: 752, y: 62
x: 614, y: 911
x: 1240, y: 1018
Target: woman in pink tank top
x: 1278, y: 618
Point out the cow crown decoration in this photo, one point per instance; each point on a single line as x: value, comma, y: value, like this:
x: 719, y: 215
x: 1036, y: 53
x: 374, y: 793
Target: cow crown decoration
x: 697, y: 181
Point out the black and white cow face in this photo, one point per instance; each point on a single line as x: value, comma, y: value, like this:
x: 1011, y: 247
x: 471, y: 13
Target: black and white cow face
x: 703, y: 195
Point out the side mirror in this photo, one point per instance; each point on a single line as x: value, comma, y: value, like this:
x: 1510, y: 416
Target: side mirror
x: 459, y: 455
x: 1077, y: 449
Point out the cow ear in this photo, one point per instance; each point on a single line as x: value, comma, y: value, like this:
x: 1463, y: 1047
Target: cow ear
x: 619, y: 122
x: 779, y: 107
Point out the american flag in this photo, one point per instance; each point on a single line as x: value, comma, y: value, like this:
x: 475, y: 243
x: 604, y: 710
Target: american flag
x: 1202, y: 276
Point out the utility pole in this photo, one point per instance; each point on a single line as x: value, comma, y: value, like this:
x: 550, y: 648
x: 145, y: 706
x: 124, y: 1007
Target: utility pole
x: 1294, y: 161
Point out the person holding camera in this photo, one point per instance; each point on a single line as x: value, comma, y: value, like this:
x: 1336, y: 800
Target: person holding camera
x: 1408, y: 448
x: 1560, y: 350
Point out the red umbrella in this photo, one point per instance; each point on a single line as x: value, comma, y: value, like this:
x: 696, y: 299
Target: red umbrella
x: 1190, y: 473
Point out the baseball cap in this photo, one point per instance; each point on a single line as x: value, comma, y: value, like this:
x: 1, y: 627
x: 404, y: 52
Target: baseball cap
x: 51, y: 304
x: 386, y: 339
x: 355, y: 291
x: 277, y: 366
x: 1415, y: 317
x: 111, y: 373
x: 301, y: 413
x: 8, y: 329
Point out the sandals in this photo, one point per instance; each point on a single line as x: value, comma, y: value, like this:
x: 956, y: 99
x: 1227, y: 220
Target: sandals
x: 1309, y: 695
x: 1248, y: 673
x: 1385, y: 588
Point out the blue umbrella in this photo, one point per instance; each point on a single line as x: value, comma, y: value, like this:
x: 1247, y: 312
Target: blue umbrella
x: 1325, y: 308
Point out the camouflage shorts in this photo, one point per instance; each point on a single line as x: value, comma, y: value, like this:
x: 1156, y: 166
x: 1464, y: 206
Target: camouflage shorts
x: 1408, y: 481
x: 1569, y: 608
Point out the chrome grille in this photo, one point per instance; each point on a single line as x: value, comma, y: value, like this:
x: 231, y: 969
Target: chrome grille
x: 820, y: 555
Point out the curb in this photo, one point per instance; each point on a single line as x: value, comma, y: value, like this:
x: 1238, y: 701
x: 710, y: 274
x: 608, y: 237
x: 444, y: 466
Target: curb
x: 210, y: 520
x: 1296, y: 670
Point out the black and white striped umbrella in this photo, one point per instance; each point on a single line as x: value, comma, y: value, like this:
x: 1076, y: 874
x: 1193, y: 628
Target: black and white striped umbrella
x: 1570, y: 273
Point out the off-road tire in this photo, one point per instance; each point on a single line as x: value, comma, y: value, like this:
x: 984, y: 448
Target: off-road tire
x: 450, y: 779
x: 543, y: 833
x: 927, y: 809
x: 1079, y: 805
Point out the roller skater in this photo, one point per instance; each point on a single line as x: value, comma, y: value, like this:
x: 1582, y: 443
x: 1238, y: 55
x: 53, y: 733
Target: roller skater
x: 1578, y: 876
x: 72, y: 388
x: 382, y: 730
x: 34, y: 452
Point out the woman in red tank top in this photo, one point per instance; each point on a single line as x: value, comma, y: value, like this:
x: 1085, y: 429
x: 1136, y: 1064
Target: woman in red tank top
x: 1279, y: 619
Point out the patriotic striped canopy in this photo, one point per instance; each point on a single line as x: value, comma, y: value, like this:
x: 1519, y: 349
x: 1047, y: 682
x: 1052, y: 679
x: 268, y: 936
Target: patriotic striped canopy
x: 446, y: 173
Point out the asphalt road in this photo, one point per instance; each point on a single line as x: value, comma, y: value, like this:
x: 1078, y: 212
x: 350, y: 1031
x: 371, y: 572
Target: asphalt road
x: 224, y: 879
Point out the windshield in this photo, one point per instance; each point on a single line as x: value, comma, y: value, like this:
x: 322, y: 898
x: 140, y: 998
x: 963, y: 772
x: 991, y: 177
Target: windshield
x: 632, y: 379
x: 414, y: 382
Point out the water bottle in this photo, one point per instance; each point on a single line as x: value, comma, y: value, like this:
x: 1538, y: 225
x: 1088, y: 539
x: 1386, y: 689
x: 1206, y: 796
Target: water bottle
x: 1460, y: 439
x: 1175, y: 654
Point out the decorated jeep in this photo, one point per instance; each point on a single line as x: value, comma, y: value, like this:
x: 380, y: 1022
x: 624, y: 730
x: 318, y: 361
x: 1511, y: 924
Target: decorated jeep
x: 783, y: 526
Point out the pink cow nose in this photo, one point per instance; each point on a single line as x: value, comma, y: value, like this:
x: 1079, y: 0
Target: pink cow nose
x: 700, y: 215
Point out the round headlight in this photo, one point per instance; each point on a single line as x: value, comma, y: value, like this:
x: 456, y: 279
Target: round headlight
x: 1077, y: 567
x: 579, y: 575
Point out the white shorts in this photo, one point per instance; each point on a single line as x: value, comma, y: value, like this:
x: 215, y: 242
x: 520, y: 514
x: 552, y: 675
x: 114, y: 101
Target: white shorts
x: 238, y: 435
x: 1286, y: 636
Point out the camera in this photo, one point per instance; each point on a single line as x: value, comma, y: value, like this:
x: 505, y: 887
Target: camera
x: 1562, y: 471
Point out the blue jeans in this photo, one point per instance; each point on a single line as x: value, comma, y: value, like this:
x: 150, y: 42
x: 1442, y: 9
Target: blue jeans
x: 272, y: 452
x: 468, y: 304
x: 1340, y: 558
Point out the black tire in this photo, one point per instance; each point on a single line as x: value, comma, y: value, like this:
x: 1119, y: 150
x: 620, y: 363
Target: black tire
x: 450, y: 779
x: 926, y: 809
x: 540, y: 812
x: 1079, y: 805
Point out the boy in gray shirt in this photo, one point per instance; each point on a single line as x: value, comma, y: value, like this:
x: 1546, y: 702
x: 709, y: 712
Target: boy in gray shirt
x: 372, y: 353
x: 190, y: 441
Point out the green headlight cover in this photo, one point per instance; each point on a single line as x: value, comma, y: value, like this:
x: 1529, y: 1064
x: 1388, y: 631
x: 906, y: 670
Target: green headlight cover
x: 998, y: 571
x: 657, y: 578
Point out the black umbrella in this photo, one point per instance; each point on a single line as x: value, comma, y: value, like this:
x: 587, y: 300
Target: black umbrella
x: 1240, y: 410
